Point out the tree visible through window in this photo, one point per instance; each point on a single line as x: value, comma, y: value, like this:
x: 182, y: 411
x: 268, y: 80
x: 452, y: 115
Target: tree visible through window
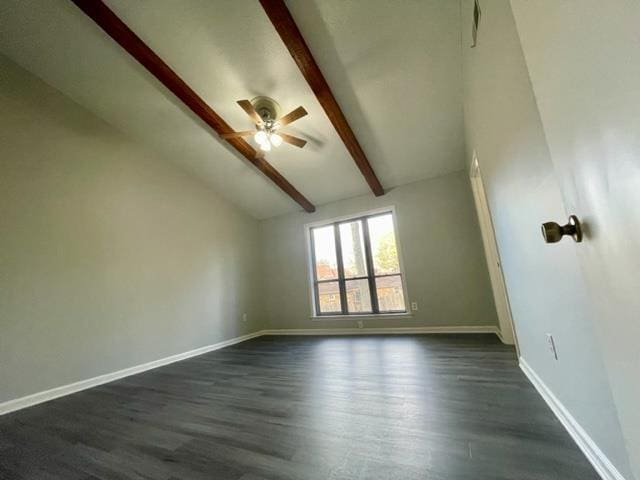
x: 356, y: 269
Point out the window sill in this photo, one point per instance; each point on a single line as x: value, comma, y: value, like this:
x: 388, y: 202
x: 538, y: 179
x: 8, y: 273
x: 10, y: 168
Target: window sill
x: 354, y: 318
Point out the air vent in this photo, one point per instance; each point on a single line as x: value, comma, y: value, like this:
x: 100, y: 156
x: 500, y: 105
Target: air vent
x: 476, y: 23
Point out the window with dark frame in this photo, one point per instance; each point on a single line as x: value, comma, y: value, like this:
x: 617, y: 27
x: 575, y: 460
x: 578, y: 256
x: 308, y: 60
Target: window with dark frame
x: 356, y: 268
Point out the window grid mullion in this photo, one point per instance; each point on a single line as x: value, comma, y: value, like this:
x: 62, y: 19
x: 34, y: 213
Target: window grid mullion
x: 341, y: 280
x: 388, y: 275
x: 316, y: 293
x: 370, y: 272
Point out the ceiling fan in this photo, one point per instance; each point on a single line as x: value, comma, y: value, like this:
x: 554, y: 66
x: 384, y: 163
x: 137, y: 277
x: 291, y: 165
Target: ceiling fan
x: 265, y: 113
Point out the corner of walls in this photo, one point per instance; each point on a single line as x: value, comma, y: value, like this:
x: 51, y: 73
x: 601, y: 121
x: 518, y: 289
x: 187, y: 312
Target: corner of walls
x: 440, y: 244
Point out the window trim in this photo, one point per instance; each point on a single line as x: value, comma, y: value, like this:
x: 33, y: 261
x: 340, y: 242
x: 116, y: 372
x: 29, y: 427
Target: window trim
x: 313, y: 292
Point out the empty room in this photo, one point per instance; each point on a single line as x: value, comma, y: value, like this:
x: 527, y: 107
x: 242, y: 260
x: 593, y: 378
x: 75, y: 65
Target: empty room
x: 319, y: 239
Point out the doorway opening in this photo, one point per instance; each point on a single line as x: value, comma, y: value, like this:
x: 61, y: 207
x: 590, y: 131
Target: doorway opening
x: 507, y: 331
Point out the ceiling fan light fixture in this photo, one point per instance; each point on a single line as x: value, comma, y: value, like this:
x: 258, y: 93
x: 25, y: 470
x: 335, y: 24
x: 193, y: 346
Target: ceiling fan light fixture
x: 276, y: 140
x: 266, y: 146
x: 261, y: 138
x: 265, y: 114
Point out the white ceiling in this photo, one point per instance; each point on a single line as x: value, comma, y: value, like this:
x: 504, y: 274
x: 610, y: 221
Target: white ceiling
x: 394, y: 67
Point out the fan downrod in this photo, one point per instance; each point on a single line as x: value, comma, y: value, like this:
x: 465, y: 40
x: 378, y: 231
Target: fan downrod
x: 268, y: 109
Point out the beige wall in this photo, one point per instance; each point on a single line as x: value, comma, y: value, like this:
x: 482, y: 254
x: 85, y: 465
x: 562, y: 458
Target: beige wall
x: 545, y: 285
x: 112, y: 257
x: 109, y: 256
x: 441, y: 248
x: 583, y: 59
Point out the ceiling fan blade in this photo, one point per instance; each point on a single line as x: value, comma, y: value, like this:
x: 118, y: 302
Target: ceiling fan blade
x: 292, y: 116
x: 259, y: 153
x: 247, y: 107
x: 244, y: 133
x: 290, y: 139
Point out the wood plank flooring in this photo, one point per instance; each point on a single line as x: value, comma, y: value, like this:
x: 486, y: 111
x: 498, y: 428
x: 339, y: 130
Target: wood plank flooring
x: 363, y: 407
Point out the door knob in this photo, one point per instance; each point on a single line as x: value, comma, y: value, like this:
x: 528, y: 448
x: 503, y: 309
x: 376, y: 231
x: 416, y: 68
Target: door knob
x: 552, y: 232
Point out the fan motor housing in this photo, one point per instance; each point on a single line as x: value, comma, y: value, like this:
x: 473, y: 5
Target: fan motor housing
x: 267, y: 108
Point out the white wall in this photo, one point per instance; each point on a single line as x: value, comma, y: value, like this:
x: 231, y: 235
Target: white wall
x: 545, y: 284
x: 583, y: 58
x: 441, y: 247
x: 109, y: 255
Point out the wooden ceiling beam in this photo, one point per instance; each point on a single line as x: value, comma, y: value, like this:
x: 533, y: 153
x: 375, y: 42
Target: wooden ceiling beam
x: 106, y: 19
x: 286, y: 27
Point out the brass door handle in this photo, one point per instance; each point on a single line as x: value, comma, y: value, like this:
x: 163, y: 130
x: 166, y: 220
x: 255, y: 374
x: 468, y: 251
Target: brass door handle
x: 552, y: 232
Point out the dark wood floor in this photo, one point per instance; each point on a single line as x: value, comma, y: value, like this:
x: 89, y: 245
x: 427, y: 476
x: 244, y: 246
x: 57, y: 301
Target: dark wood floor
x: 378, y: 407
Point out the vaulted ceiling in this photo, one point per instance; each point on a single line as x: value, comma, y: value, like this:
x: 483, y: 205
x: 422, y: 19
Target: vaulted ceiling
x: 394, y: 68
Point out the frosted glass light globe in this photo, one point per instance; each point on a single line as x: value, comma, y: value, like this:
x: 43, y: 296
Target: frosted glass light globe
x: 276, y: 140
x: 261, y: 137
x: 266, y: 146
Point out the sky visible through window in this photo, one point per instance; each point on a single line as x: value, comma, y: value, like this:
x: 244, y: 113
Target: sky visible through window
x: 325, y: 246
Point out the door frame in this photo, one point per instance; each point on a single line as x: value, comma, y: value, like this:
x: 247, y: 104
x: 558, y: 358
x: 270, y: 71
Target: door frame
x: 507, y: 331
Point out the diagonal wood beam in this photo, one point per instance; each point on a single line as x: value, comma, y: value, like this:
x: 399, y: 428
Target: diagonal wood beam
x: 286, y: 27
x: 127, y: 39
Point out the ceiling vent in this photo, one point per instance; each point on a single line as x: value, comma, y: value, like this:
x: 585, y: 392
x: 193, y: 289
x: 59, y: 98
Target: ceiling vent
x: 476, y: 23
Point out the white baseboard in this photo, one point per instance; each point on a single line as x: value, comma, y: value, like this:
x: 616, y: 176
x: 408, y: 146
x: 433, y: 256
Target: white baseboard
x: 598, y: 459
x: 45, y: 396
x: 382, y: 331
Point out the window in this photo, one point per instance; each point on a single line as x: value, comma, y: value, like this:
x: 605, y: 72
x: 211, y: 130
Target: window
x: 356, y: 268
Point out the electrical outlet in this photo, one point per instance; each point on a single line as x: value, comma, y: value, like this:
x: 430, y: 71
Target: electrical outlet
x: 360, y: 324
x: 244, y: 317
x: 414, y: 306
x: 552, y: 346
